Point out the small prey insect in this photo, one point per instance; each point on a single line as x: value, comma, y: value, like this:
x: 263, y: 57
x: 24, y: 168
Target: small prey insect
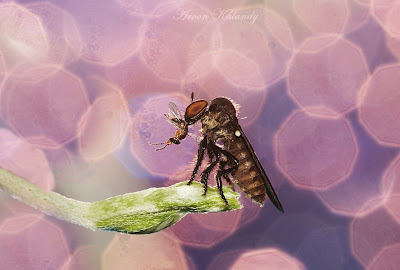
x: 235, y: 157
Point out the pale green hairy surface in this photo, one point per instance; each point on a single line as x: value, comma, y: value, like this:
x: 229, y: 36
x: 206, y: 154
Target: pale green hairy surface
x: 146, y: 211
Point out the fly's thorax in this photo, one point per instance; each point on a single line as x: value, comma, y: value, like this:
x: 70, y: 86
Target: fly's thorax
x: 217, y: 125
x: 208, y: 122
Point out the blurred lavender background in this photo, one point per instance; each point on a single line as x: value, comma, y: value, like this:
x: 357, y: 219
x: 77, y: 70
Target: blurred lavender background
x: 84, y: 86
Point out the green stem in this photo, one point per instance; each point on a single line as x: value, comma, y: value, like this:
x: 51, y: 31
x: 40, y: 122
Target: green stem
x: 144, y: 211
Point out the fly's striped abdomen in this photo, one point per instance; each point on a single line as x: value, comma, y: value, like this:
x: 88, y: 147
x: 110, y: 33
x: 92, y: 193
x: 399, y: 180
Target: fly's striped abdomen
x: 247, y: 176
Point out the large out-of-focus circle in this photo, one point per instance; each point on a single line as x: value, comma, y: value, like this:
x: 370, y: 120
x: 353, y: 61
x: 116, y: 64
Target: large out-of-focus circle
x: 329, y: 16
x: 45, y: 112
x: 386, y: 14
x: 133, y: 77
x: 315, y: 153
x: 149, y: 125
x: 331, y: 76
x: 315, y: 257
x: 105, y: 125
x: 23, y: 38
x: 42, y: 245
x: 387, y: 258
x: 151, y: 251
x: 24, y: 160
x: 372, y: 233
x: 267, y: 259
x: 167, y: 40
x: 253, y: 52
x: 64, y: 38
x: 365, y: 184
x: 109, y: 33
x: 379, y: 105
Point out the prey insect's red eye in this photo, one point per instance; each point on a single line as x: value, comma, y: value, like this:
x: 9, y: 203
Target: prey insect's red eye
x: 195, y: 110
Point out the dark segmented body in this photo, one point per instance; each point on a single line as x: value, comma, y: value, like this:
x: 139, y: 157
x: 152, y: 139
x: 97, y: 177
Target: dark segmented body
x: 247, y: 176
x: 220, y: 123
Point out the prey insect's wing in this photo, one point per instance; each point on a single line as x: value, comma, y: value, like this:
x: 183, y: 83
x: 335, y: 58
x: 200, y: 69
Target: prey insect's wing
x: 174, y: 121
x: 174, y: 111
x: 174, y: 116
x: 268, y: 186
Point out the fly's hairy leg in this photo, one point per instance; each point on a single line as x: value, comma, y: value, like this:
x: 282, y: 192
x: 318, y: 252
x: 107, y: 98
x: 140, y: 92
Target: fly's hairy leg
x: 219, y: 185
x: 210, y: 154
x: 200, y: 156
x: 224, y: 173
x: 212, y: 150
x: 230, y: 159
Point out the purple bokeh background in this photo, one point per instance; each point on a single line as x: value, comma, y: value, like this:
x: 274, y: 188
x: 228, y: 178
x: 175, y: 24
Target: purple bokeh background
x: 84, y: 86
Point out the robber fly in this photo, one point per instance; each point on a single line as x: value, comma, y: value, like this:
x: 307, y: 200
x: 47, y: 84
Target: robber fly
x: 236, y: 157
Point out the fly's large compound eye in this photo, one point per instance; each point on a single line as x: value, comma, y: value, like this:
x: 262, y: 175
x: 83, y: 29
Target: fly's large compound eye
x: 194, y: 111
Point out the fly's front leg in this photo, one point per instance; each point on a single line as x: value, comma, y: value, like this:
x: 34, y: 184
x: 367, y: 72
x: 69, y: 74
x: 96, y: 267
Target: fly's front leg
x: 210, y: 158
x: 200, y: 156
x: 211, y: 152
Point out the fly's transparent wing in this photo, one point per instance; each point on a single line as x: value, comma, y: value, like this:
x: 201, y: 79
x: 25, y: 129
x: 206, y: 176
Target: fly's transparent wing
x: 174, y: 111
